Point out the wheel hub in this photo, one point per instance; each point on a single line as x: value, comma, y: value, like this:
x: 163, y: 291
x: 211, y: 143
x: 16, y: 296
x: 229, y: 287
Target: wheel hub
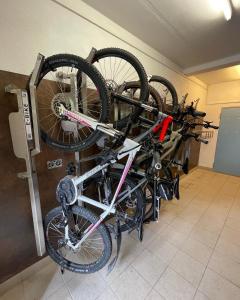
x: 111, y: 85
x: 61, y: 98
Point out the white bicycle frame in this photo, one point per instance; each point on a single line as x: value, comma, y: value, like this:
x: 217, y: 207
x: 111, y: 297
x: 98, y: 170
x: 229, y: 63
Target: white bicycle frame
x: 129, y: 148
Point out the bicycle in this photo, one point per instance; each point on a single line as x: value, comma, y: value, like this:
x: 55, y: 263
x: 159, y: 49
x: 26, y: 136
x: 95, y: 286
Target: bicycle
x: 152, y: 168
x: 78, y: 84
x: 91, y: 233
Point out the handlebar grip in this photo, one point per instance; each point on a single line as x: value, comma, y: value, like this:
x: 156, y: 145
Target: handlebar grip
x: 151, y: 109
x: 199, y: 139
x: 155, y: 111
x: 214, y: 127
x: 197, y: 113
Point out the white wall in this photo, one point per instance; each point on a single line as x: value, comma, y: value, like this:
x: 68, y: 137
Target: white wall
x: 225, y: 94
x: 31, y: 26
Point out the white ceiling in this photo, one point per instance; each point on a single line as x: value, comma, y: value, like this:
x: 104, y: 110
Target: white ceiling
x: 189, y: 32
x: 222, y: 75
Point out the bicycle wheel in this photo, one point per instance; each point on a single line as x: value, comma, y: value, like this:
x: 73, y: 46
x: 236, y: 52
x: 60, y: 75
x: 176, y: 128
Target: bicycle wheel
x: 167, y: 92
x: 132, y: 88
x: 58, y: 83
x: 94, y: 252
x: 118, y: 67
x: 130, y: 207
x: 154, y: 100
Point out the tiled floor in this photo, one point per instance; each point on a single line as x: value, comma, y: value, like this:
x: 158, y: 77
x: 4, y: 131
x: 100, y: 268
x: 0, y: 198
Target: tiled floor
x: 193, y: 252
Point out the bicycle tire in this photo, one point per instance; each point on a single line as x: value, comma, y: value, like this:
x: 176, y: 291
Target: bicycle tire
x: 171, y: 89
x: 131, y: 183
x: 69, y: 60
x: 72, y: 266
x: 158, y: 102
x: 136, y: 64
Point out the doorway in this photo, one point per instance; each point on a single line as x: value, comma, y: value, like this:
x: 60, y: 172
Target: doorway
x: 227, y: 157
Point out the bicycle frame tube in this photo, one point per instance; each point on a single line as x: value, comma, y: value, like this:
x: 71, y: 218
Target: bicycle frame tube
x: 129, y: 148
x: 108, y: 209
x: 171, y: 145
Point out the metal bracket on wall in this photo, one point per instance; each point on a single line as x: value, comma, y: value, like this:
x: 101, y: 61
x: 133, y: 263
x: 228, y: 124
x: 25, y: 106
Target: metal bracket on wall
x: 25, y: 139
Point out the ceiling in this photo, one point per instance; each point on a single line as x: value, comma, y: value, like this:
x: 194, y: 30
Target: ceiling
x: 188, y: 32
x: 222, y: 75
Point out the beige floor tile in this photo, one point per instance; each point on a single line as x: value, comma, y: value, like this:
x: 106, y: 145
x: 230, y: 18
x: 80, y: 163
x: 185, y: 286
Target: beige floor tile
x: 14, y: 293
x: 149, y: 266
x: 167, y: 216
x: 38, y: 266
x: 190, y: 216
x: 226, y: 267
x: 182, y: 225
x: 200, y: 296
x: 172, y: 286
x: 68, y: 275
x: 230, y: 188
x: 197, y: 250
x: 173, y: 236
x: 229, y: 249
x: 234, y: 213
x: 215, y: 287
x: 206, y: 237
x: 107, y: 295
x: 199, y: 203
x: 10, y: 284
x: 43, y: 283
x: 130, y: 285
x: 230, y: 235
x: 210, y: 224
x: 153, y: 295
x: 163, y: 249
x: 86, y: 286
x: 188, y: 268
x: 156, y: 227
x: 130, y: 249
x: 233, y: 223
x: 218, y: 212
x: 151, y: 231
x: 62, y: 293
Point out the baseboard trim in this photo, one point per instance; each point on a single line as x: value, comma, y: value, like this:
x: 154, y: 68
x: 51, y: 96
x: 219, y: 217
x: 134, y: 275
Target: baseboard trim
x: 26, y: 273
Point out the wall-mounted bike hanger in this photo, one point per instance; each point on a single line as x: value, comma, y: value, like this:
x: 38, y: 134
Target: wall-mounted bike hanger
x: 24, y: 131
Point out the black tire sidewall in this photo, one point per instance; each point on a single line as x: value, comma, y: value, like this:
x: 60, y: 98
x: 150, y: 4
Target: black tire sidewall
x: 102, y: 229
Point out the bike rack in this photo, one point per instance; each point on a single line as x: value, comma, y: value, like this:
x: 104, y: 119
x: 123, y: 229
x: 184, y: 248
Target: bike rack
x: 24, y: 131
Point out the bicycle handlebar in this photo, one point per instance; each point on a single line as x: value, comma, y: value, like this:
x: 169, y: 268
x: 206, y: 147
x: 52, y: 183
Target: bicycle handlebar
x: 197, y: 137
x: 197, y: 113
x: 200, y: 139
x: 208, y: 125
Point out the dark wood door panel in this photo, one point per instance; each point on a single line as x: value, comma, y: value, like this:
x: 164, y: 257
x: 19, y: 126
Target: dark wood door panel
x: 18, y: 249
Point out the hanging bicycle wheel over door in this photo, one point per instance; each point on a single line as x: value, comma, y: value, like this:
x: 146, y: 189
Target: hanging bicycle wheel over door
x: 60, y: 83
x: 118, y: 67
